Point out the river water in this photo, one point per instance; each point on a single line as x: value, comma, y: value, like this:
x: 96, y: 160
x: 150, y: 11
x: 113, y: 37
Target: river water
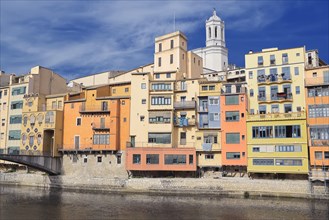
x: 38, y: 203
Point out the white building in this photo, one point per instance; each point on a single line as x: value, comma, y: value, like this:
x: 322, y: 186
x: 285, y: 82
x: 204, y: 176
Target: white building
x: 215, y: 54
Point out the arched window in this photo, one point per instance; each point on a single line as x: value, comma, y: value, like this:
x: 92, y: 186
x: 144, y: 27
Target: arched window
x: 25, y: 120
x: 31, y: 139
x: 222, y: 33
x: 216, y: 32
x: 40, y: 118
x: 23, y: 139
x: 32, y: 120
x: 49, y: 117
x: 209, y: 32
x: 39, y: 139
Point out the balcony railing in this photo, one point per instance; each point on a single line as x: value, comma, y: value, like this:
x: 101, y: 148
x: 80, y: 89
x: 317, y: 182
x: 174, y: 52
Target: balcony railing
x: 320, y: 142
x: 271, y: 79
x: 101, y: 126
x: 279, y: 97
x: 184, y: 105
x: 184, y: 122
x: 94, y: 109
x: 86, y: 147
x: 275, y: 116
x: 207, y: 146
x: 315, y: 81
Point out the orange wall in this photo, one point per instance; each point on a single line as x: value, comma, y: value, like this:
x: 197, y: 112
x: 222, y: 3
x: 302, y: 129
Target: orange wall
x: 161, y: 166
x: 234, y: 127
x: 316, y: 121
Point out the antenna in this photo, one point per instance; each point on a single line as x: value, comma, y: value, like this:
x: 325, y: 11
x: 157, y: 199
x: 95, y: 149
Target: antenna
x: 174, y: 21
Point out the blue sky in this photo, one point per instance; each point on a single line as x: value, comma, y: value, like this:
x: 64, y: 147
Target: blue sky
x: 76, y: 38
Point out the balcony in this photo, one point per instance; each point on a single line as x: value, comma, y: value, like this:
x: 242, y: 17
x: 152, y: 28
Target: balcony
x: 278, y: 97
x: 94, y: 109
x: 272, y: 79
x: 183, y: 122
x: 203, y: 108
x: 184, y: 105
x: 101, y: 126
x: 316, y: 81
x: 87, y: 147
x: 277, y: 116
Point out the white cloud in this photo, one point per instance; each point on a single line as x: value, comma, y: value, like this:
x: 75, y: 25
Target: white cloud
x: 94, y: 36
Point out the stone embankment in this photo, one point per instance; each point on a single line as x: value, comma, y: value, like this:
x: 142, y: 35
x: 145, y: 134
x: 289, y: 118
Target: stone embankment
x: 228, y: 186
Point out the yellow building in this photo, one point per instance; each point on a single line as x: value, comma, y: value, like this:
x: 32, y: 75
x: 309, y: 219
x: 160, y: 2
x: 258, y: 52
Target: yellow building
x: 42, y: 124
x: 276, y: 124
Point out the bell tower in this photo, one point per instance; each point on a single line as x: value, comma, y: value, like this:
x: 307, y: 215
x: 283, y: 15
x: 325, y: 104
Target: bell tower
x: 215, y: 31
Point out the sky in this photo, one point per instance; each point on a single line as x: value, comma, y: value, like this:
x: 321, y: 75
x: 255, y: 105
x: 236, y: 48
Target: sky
x: 77, y: 38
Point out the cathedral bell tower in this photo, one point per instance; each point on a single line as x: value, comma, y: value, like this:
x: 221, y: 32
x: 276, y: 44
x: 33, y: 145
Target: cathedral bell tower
x: 215, y: 31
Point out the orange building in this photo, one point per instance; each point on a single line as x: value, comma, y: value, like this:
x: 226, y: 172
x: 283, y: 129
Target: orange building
x: 234, y: 128
x: 160, y: 159
x: 317, y: 102
x: 97, y: 120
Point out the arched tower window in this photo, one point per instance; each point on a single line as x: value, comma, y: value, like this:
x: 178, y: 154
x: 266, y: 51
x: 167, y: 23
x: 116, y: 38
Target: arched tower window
x: 209, y: 32
x: 216, y: 32
x: 222, y: 33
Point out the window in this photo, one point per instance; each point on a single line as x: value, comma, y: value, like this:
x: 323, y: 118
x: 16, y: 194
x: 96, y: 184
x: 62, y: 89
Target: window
x: 85, y: 159
x: 142, y: 118
x: 171, y: 44
x: 285, y: 58
x: 183, y: 56
x: 75, y: 158
x: 60, y: 104
x: 152, y: 158
x: 124, y: 119
x: 171, y: 58
x: 5, y: 92
x: 232, y: 100
x: 39, y: 139
x: 48, y: 119
x: 232, y: 155
x: 287, y: 131
x: 160, y: 100
x: 24, y: 138
x: 211, y: 88
x: 272, y: 59
x: 214, y: 117
x: 326, y: 155
x: 255, y: 149
x: 99, y: 159
x: 14, y: 135
x: 159, y: 138
x: 318, y: 111
x: 297, y: 54
x: 210, y: 138
x: 143, y: 85
x: 168, y: 75
x: 157, y: 76
x: 143, y: 101
x: 275, y: 108
x: 15, y: 119
x: 288, y: 148
x: 78, y: 121
x: 260, y: 61
x: 296, y: 70
x: 53, y: 105
x: 159, y: 61
x: 118, y: 159
x: 32, y: 120
x: 320, y: 133
x: 31, y: 139
x: 263, y: 162
x: 297, y: 90
x: 232, y: 116
x: 17, y: 91
x: 209, y: 156
x: 288, y: 162
x: 232, y: 138
x: 3, y: 121
x: 191, y: 158
x: 16, y: 105
x: 213, y: 101
x: 251, y: 93
x: 160, y: 47
x: 286, y: 73
x: 318, y: 91
x: 126, y: 89
x: 204, y: 88
x: 262, y: 132
x: 250, y: 75
x: 136, y: 158
x: 72, y: 105
x: 159, y: 119
x: 101, y: 139
x: 175, y: 159
x: 114, y: 91
x: 161, y: 86
x: 315, y: 74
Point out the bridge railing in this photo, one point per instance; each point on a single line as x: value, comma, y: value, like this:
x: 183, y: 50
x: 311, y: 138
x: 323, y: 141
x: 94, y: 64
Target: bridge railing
x: 26, y: 152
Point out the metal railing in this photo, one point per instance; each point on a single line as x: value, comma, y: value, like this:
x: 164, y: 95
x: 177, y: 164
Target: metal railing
x: 101, y: 125
x: 184, y: 105
x: 86, y: 147
x: 284, y: 97
x: 85, y: 109
x: 270, y: 116
x: 25, y: 152
x: 184, y: 122
x: 320, y: 142
x: 268, y: 79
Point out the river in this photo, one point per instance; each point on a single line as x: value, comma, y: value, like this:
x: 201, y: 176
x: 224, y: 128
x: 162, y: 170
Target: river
x: 18, y: 202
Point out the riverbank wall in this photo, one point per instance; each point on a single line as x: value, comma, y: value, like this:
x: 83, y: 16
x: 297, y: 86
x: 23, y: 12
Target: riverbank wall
x: 224, y: 186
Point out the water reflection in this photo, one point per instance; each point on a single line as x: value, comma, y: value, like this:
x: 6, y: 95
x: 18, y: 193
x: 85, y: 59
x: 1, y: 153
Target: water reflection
x: 38, y: 203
